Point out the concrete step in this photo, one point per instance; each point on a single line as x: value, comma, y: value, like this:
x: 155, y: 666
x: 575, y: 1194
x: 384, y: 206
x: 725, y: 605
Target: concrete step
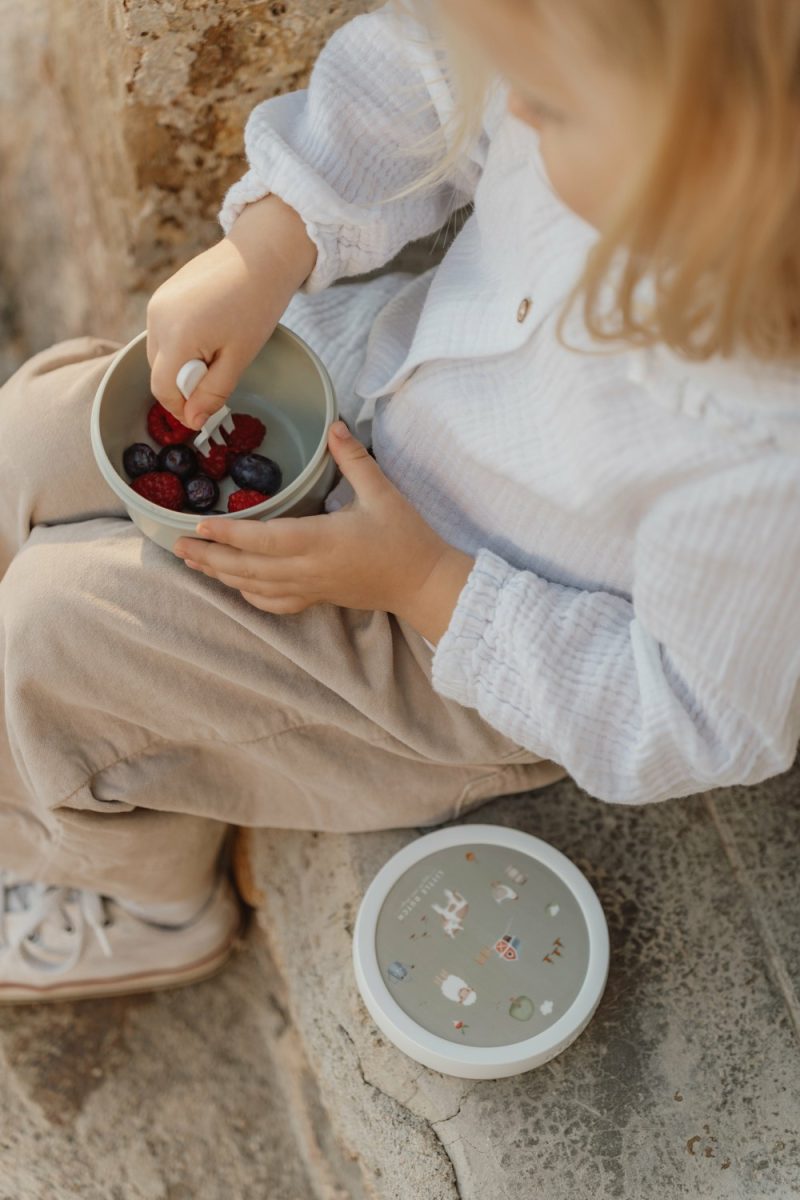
x: 202, y: 1093
x: 271, y: 1082
x: 687, y: 1080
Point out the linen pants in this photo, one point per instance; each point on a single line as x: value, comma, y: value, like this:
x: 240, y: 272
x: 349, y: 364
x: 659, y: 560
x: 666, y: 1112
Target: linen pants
x: 149, y: 707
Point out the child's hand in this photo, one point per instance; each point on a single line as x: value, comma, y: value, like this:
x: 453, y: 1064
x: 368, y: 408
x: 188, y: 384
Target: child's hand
x: 223, y: 305
x: 212, y: 309
x: 376, y: 552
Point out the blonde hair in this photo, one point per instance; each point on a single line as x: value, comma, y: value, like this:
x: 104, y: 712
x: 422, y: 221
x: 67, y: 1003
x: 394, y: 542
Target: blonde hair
x: 710, y: 225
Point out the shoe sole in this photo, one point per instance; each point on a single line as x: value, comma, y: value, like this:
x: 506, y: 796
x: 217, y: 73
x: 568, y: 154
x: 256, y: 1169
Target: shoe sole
x: 126, y: 985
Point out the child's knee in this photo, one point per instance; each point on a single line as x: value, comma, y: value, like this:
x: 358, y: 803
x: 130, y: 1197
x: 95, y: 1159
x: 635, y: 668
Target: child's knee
x: 55, y: 589
x: 45, y: 412
x: 65, y: 375
x: 71, y: 352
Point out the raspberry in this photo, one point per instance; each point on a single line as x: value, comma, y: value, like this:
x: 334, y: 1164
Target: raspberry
x: 166, y: 429
x: 173, y: 421
x: 244, y: 499
x: 162, y: 487
x: 248, y: 433
x: 216, y: 463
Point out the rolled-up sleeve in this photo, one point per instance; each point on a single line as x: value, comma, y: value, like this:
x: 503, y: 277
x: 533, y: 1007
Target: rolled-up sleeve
x: 690, y: 684
x: 370, y: 123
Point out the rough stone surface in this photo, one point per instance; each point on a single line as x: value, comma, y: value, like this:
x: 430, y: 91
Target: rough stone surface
x: 203, y: 1092
x: 121, y: 126
x: 685, y: 1083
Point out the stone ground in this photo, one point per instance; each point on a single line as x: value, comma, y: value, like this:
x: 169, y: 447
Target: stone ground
x: 270, y: 1082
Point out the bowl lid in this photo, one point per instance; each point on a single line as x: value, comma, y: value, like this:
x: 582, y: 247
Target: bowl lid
x: 480, y: 950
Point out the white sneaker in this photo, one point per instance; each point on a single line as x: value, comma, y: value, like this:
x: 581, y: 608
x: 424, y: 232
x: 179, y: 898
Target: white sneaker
x: 60, y: 943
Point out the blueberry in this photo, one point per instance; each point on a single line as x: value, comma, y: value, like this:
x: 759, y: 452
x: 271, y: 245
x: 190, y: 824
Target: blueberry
x: 202, y: 493
x: 138, y: 459
x: 180, y: 460
x: 258, y: 472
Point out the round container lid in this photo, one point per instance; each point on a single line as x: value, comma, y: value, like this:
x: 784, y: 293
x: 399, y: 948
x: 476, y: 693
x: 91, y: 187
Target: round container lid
x: 480, y: 951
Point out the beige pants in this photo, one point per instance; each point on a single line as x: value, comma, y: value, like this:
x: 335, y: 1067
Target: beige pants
x: 148, y: 707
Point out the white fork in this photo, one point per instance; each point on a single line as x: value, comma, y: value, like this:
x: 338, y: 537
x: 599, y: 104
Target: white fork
x: 186, y: 381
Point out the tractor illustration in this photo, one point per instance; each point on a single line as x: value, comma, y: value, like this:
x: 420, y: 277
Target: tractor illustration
x: 508, y: 947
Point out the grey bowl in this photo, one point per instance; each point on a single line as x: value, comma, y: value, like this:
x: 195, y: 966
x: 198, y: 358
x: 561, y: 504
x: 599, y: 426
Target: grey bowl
x: 286, y: 386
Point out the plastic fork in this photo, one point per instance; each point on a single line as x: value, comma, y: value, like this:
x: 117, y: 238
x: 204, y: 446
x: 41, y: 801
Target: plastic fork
x: 186, y: 381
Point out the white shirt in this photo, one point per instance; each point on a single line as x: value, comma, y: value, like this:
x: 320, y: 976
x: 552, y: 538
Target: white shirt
x: 635, y: 518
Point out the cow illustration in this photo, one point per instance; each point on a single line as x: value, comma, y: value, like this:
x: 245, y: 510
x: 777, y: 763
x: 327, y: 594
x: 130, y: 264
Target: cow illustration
x: 453, y: 912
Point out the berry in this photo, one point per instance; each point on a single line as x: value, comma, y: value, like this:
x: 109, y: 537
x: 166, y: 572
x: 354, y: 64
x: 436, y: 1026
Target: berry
x: 180, y: 460
x: 216, y: 463
x: 162, y: 487
x: 202, y: 493
x: 166, y: 429
x: 248, y: 433
x: 258, y: 472
x: 173, y: 421
x: 138, y: 459
x: 244, y: 499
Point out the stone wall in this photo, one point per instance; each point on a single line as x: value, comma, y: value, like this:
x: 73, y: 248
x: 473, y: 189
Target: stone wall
x: 121, y: 126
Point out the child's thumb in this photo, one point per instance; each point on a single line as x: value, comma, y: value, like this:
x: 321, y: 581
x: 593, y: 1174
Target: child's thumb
x: 213, y: 390
x: 210, y: 394
x: 355, y: 462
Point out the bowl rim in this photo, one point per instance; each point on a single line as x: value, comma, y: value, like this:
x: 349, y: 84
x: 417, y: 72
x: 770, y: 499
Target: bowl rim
x: 190, y: 520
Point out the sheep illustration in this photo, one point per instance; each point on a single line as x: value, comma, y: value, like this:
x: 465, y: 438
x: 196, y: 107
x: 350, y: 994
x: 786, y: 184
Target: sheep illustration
x: 454, y: 988
x: 501, y: 891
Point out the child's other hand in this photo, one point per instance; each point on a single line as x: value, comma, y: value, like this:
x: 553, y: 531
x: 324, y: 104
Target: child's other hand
x: 376, y: 552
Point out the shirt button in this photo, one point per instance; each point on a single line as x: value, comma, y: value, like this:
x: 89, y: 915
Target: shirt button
x: 524, y: 309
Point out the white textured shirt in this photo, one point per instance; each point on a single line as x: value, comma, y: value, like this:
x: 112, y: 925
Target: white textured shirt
x: 632, y: 612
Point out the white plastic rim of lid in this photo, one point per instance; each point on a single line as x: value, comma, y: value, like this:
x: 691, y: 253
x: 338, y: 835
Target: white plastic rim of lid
x: 461, y: 1059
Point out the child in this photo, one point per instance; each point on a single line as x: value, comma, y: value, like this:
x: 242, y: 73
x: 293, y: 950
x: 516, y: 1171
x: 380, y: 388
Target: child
x: 557, y: 560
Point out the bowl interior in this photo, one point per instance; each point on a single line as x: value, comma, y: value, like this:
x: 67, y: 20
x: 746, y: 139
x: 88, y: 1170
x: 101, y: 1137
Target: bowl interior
x: 283, y: 386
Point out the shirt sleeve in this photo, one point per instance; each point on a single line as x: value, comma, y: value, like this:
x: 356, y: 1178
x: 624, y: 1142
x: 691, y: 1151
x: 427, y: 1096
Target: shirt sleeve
x: 377, y: 107
x: 691, y: 684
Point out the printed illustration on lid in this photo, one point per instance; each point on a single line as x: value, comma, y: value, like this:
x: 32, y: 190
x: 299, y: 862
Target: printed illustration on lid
x: 482, y: 945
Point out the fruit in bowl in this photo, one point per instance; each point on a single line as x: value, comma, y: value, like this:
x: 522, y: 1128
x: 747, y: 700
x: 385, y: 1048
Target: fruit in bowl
x: 138, y: 459
x: 245, y: 498
x: 178, y: 477
x: 162, y: 487
x: 181, y: 460
x: 202, y: 493
x: 257, y: 472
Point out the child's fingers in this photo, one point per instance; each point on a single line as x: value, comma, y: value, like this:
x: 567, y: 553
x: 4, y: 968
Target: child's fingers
x: 211, y: 393
x: 162, y: 383
x: 259, y: 587
x: 240, y: 563
x: 152, y: 347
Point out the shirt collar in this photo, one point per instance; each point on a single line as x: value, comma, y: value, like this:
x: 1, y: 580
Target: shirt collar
x: 745, y: 396
x: 742, y: 380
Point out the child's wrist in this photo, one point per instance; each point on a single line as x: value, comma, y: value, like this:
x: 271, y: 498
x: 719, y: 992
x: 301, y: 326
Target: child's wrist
x: 272, y: 239
x: 430, y: 609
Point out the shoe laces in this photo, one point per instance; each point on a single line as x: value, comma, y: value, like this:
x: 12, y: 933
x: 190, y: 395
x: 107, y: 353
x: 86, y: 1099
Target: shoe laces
x: 81, y: 912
